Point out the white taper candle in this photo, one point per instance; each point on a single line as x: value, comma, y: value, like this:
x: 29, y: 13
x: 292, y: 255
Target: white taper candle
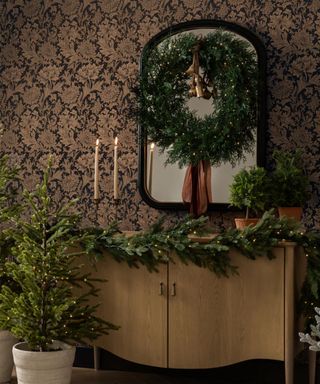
x: 96, y: 172
x: 115, y: 172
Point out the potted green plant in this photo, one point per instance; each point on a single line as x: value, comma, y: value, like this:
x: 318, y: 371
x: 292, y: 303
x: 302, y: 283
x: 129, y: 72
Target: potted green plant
x: 250, y: 191
x: 7, y: 211
x: 290, y: 183
x: 47, y: 314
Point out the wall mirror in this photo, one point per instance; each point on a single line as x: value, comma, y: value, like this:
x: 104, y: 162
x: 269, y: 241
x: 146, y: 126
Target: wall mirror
x: 161, y: 182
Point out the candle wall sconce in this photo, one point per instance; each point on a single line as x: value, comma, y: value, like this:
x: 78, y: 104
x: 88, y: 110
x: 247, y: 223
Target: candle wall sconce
x: 160, y: 184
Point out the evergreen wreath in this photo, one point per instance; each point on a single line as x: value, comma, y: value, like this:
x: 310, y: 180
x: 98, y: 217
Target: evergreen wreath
x: 230, y: 67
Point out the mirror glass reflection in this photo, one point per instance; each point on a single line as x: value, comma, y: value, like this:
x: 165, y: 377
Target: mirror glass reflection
x: 163, y: 182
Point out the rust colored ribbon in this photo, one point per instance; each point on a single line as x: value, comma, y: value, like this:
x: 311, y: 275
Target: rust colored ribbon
x: 196, y: 189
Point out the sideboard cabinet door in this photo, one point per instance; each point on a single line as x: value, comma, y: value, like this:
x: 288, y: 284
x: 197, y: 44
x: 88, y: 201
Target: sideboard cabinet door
x: 136, y: 300
x: 219, y: 321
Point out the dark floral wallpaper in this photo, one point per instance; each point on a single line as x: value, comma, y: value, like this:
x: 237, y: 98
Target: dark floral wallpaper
x: 67, y: 70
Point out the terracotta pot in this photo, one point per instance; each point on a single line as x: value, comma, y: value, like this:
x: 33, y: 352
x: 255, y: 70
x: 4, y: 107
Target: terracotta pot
x: 242, y: 223
x: 52, y: 367
x: 290, y: 212
x: 6, y: 361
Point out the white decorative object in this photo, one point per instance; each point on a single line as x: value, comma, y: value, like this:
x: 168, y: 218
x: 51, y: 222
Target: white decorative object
x: 151, y: 168
x: 52, y: 367
x: 313, y: 339
x: 96, y: 171
x: 6, y: 361
x: 115, y: 172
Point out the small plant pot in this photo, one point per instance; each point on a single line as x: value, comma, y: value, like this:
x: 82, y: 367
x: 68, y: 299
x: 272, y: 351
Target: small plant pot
x: 52, y: 367
x: 7, y: 341
x: 242, y: 223
x: 290, y: 212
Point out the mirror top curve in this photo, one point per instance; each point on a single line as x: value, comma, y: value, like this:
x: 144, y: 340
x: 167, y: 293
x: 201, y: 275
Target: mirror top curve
x: 252, y: 37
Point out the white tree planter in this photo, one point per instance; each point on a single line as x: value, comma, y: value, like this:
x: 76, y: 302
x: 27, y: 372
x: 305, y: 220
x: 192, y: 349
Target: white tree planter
x: 44, y: 367
x: 6, y: 361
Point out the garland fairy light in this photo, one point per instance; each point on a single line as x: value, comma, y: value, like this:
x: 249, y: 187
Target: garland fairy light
x: 230, y: 76
x: 155, y: 246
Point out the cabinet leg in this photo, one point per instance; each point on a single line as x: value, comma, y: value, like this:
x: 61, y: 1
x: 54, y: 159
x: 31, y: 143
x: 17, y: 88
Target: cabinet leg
x: 96, y: 358
x: 289, y: 370
x: 312, y: 366
x: 289, y: 315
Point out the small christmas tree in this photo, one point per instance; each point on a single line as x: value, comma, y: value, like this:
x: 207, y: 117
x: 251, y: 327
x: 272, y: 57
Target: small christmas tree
x: 46, y: 269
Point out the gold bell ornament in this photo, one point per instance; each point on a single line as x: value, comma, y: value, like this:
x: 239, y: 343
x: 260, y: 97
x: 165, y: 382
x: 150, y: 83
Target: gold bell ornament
x: 192, y: 92
x: 190, y: 70
x: 199, y: 86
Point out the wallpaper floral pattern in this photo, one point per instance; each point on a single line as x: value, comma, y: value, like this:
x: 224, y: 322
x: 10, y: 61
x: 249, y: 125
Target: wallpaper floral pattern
x: 67, y: 71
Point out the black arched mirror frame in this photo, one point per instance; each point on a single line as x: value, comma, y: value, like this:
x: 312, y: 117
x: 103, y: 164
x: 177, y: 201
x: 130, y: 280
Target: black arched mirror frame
x: 261, y: 120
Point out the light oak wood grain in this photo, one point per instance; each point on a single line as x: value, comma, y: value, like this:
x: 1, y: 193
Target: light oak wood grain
x: 131, y: 298
x: 219, y: 321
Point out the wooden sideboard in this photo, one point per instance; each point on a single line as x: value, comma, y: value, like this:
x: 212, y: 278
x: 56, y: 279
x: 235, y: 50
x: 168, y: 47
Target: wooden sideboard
x: 187, y: 317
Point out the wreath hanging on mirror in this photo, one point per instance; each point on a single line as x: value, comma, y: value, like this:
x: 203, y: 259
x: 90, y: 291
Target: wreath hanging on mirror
x: 219, y: 67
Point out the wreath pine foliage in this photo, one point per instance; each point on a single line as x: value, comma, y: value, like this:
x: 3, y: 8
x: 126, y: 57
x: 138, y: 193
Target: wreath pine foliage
x: 230, y: 64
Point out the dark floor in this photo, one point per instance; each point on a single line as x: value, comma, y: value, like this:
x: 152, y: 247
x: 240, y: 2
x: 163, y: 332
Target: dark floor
x: 253, y: 372
x: 267, y: 375
x: 118, y: 371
